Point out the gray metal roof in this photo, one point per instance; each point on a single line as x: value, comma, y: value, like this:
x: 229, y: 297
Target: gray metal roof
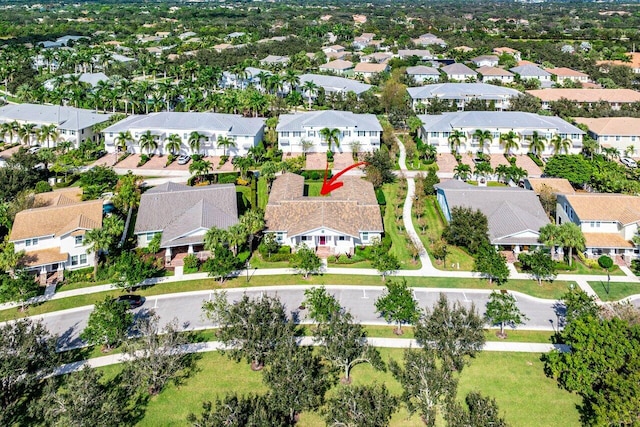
x: 530, y: 71
x: 201, y: 122
x: 178, y: 211
x: 509, y: 210
x: 68, y: 118
x: 335, y: 84
x: 421, y: 69
x: 91, y: 79
x: 458, y: 68
x: 330, y: 119
x: 498, y: 120
x: 461, y: 91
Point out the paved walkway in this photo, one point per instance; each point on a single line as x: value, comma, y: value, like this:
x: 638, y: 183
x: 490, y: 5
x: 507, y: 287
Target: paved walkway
x: 204, y: 347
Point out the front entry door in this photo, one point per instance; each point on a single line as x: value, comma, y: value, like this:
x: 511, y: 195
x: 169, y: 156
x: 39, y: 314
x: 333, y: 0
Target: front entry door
x: 323, y: 240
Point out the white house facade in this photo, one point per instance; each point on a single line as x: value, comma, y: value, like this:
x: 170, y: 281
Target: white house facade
x: 621, y: 133
x: 461, y: 93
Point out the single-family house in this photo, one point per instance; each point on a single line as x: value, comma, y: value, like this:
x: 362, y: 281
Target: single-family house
x: 335, y: 224
x: 609, y: 222
x: 514, y: 215
x: 72, y: 124
x: 528, y: 72
x: 52, y: 235
x: 363, y: 41
x: 461, y: 93
x: 360, y: 132
x: 274, y: 59
x: 333, y: 84
x: 421, y: 74
x: 634, y: 63
x: 422, y: 54
x: 338, y: 66
x: 377, y: 57
x: 488, y: 74
x: 429, y: 39
x: 513, y: 52
x: 555, y: 185
x: 368, y: 69
x: 561, y: 74
x: 183, y: 214
x: 459, y: 72
x: 243, y: 132
x: 485, y: 61
x: 614, y: 97
x: 437, y: 129
x: 621, y: 133
x: 335, y: 51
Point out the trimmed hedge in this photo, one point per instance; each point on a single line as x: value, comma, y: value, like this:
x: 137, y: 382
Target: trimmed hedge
x: 536, y: 159
x: 315, y: 175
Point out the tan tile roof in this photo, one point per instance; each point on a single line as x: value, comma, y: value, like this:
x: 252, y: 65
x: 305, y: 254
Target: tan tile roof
x: 587, y: 95
x: 493, y: 71
x: 66, y: 196
x: 565, y: 72
x: 501, y: 50
x: 626, y: 126
x: 338, y: 64
x: 350, y: 209
x: 369, y: 67
x: 605, y: 240
x: 557, y: 185
x: 606, y: 207
x: 57, y: 220
x: 634, y: 63
x: 44, y: 257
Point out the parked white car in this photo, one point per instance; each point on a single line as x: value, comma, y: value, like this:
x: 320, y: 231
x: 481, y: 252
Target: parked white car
x: 629, y: 162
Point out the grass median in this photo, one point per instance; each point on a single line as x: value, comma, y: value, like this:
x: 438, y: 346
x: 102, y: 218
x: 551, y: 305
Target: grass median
x: 614, y: 291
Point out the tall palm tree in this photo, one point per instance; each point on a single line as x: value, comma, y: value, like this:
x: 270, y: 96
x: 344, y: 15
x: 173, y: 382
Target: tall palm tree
x: 310, y: 88
x: 173, y: 143
x: 26, y: 131
x: 291, y: 79
x: 611, y: 153
x: 331, y: 136
x: 122, y: 139
x: 147, y: 141
x: 455, y: 140
x: 462, y: 171
x: 215, y: 237
x: 48, y: 133
x: 200, y: 168
x: 243, y: 164
x: 560, y: 144
x: 97, y: 240
x: 236, y: 235
x: 483, y: 136
x: 225, y: 142
x: 537, y: 143
x: 510, y: 141
x: 253, y: 222
x: 195, y: 139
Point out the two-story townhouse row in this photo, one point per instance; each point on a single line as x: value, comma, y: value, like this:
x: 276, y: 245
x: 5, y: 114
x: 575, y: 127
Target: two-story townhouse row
x: 331, y: 84
x: 459, y: 72
x: 422, y: 54
x: 367, y: 70
x: 72, y: 124
x: 633, y: 63
x: 621, y: 133
x: 616, y: 98
x: 52, y: 236
x: 244, y: 132
x: 363, y: 41
x: 338, y: 66
x: 462, y: 93
x: 532, y: 72
x: 488, y: 74
x: 334, y: 52
x: 429, y: 39
x: 361, y: 132
x: 422, y: 74
x: 485, y: 61
x: 436, y: 131
x: 609, y: 222
x: 377, y: 57
x: 562, y: 74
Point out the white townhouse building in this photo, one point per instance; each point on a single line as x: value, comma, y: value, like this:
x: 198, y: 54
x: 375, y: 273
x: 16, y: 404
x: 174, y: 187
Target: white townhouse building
x: 487, y: 74
x: 245, y: 132
x: 421, y: 74
x: 293, y: 129
x: 458, y: 72
x: 436, y: 130
x: 72, y: 124
x: 485, y: 61
x: 332, y: 84
x: 461, y: 93
x: 528, y: 72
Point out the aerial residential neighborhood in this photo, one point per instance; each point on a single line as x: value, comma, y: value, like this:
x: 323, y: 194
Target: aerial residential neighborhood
x: 319, y: 213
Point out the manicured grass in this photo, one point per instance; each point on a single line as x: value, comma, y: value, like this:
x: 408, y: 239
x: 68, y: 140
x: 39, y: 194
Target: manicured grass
x: 489, y: 183
x: 583, y: 269
x: 516, y: 380
x: 257, y: 261
x: 617, y: 290
x: 361, y: 264
x: 399, y: 246
x: 263, y: 193
x: 519, y: 336
x: 312, y: 188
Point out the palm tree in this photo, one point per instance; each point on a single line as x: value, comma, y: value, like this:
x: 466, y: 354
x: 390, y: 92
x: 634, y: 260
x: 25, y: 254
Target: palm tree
x: 48, y: 133
x: 236, y: 235
x: 510, y: 141
x: 560, y: 144
x: 148, y: 142
x: 291, y: 79
x: 173, y: 143
x: 502, y: 172
x: 26, y: 131
x: 482, y: 136
x: 455, y: 140
x: 253, y: 222
x: 200, y: 168
x: 97, y: 240
x: 537, y: 143
x: 195, y: 138
x: 331, y: 136
x: 483, y: 169
x: 243, y: 164
x: 122, y: 139
x: 611, y: 153
x: 215, y: 237
x: 462, y: 171
x: 225, y: 143
x: 310, y: 88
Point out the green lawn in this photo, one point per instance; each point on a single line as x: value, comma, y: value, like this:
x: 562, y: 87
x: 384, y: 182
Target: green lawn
x: 263, y: 193
x: 398, y: 238
x: 312, y: 188
x: 516, y: 380
x: 617, y: 290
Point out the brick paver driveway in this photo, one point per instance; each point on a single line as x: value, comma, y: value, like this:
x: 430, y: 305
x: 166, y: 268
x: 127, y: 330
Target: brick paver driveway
x: 446, y: 162
x: 527, y: 164
x: 342, y: 160
x: 316, y: 161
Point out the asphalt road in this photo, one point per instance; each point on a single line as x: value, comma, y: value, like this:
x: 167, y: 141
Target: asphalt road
x: 186, y: 308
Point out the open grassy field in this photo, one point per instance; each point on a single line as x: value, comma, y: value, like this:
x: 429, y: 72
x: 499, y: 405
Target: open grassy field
x: 616, y: 290
x: 516, y: 380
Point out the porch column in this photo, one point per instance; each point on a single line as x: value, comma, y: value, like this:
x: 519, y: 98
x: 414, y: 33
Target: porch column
x: 190, y: 250
x: 43, y: 276
x: 60, y: 272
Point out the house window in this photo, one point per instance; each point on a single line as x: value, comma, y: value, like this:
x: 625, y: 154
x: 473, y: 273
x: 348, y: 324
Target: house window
x: 72, y: 132
x: 285, y: 134
x: 149, y: 236
x: 606, y: 138
x: 373, y: 133
x: 184, y: 136
x: 446, y: 134
x: 297, y: 134
x: 365, y: 236
x: 361, y: 133
x: 346, y: 133
x: 617, y: 138
x: 434, y: 134
x: 83, y: 259
x: 306, y: 238
x: 31, y: 242
x: 74, y: 260
x: 280, y: 237
x: 311, y: 133
x: 575, y: 136
x: 633, y: 138
x: 78, y: 240
x: 342, y: 238
x: 110, y: 134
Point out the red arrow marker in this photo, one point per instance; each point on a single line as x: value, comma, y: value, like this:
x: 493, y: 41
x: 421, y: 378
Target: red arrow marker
x: 328, y: 187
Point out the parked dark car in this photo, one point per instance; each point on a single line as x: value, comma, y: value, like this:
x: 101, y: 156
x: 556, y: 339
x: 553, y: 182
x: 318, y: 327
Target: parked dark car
x: 131, y: 301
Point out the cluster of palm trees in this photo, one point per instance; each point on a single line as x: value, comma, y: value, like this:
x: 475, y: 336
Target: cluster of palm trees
x: 173, y: 143
x: 28, y: 133
x: 244, y: 232
x: 510, y: 141
x: 505, y: 173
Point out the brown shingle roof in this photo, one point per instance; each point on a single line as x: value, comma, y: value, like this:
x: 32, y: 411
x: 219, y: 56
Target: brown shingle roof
x: 557, y: 185
x: 57, y: 220
x: 606, y: 207
x: 44, y: 257
x: 605, y: 240
x: 66, y: 196
x: 587, y: 95
x: 565, y: 72
x: 493, y: 71
x: 350, y: 209
x: 369, y: 67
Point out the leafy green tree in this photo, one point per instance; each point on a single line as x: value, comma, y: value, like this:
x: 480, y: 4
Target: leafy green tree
x: 452, y: 331
x: 27, y: 353
x: 398, y: 305
x: 321, y: 305
x: 385, y: 263
x: 379, y: 168
x: 426, y: 384
x: 305, y: 261
x: 462, y: 171
x: 9, y: 258
x: 108, y: 324
x: 234, y: 410
x: 361, y: 406
x: 128, y: 192
x: 502, y: 310
x: 482, y: 411
x: 430, y: 181
x: 252, y: 329
x: 20, y: 288
x: 540, y: 264
x: 567, y: 235
x: 467, y: 228
x: 492, y: 264
x: 572, y: 167
x: 97, y: 240
x: 221, y: 264
x: 253, y: 222
x: 131, y: 270
x: 343, y: 343
x: 578, y: 304
x: 97, y: 180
